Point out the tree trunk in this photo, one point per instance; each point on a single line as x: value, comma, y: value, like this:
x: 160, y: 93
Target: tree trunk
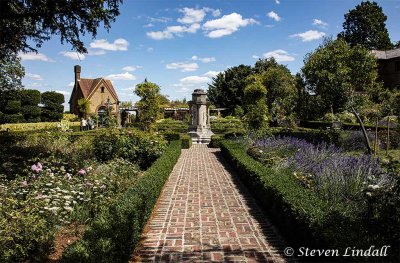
x: 363, y: 130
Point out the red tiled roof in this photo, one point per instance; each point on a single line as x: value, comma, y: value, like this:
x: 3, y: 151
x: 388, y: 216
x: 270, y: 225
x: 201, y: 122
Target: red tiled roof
x: 88, y: 85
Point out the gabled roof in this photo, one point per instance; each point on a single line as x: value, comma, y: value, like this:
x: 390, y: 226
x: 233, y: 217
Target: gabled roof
x: 88, y: 86
x: 388, y: 54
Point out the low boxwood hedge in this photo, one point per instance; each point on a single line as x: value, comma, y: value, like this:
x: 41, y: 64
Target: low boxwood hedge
x: 304, y: 219
x: 186, y: 141
x: 215, y: 141
x: 116, y: 231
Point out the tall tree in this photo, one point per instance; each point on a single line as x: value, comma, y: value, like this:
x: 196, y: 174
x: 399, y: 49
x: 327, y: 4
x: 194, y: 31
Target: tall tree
x: 227, y: 88
x: 26, y: 21
x: 149, y: 104
x: 337, y: 74
x: 11, y: 73
x: 366, y: 26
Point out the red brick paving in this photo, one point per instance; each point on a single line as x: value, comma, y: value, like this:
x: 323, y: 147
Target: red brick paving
x: 205, y: 215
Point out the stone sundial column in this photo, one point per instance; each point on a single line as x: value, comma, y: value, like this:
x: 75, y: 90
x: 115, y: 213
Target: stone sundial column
x: 200, y: 129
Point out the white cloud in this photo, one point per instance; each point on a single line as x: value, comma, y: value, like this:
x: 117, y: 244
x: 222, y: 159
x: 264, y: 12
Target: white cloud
x: 171, y: 31
x: 71, y: 84
x: 73, y: 55
x: 159, y: 35
x: 34, y: 56
x: 280, y: 55
x: 32, y: 76
x: 131, y: 68
x: 149, y: 25
x: 63, y: 92
x: 194, y: 80
x: 277, y: 2
x: 309, y: 35
x: 184, y: 67
x: 122, y: 76
x: 274, y: 16
x: 159, y: 19
x: 226, y: 25
x: 255, y: 57
x: 211, y: 73
x: 119, y: 44
x: 191, y: 15
x: 204, y: 60
x: 319, y: 23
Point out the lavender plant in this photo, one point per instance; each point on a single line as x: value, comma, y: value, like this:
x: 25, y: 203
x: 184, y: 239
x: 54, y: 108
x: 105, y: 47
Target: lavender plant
x: 327, y: 169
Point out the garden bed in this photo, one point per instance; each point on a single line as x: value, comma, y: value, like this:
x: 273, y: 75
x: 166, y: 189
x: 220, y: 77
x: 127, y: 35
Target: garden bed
x: 309, y: 218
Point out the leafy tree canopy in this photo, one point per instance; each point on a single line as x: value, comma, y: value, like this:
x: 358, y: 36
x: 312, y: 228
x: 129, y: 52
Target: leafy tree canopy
x: 149, y: 104
x: 226, y: 90
x: 336, y: 73
x: 11, y: 73
x: 23, y: 21
x: 366, y: 26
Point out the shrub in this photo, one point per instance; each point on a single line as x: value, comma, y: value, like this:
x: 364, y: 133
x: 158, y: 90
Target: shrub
x: 116, y: 231
x: 215, y: 141
x: 13, y: 107
x: 226, y: 125
x: 170, y: 125
x: 138, y: 147
x: 30, y: 97
x: 52, y: 106
x: 31, y: 113
x: 171, y: 136
x: 186, y: 141
x: 14, y: 118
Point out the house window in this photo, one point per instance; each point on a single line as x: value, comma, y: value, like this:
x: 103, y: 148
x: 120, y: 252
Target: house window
x: 102, y: 89
x: 397, y: 66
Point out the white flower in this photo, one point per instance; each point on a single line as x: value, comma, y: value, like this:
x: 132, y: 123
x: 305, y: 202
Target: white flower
x: 68, y: 208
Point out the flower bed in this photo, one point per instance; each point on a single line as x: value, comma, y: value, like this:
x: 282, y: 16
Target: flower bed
x: 306, y: 216
x: 51, y: 180
x: 116, y: 231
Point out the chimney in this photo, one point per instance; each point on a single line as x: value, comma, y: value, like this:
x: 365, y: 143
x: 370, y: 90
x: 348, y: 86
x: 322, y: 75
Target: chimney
x: 77, y: 70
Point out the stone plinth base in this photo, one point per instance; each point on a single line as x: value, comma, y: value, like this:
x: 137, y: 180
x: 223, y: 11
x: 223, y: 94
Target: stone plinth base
x: 201, y: 137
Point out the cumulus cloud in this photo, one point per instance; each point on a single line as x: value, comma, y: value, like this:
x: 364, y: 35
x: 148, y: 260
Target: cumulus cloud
x: 279, y: 55
x: 34, y: 56
x: 182, y: 66
x: 122, y: 76
x: 211, y: 73
x: 274, y: 16
x: 119, y: 44
x: 191, y: 15
x: 277, y: 2
x: 172, y: 31
x: 226, y: 25
x: 204, y: 60
x: 32, y: 76
x: 319, y: 23
x: 194, y: 80
x: 131, y: 68
x: 73, y: 55
x: 309, y: 35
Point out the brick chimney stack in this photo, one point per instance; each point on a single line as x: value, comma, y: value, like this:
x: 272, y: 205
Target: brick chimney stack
x: 77, y: 70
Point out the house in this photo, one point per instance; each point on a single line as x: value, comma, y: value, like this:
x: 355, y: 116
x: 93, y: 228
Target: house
x: 99, y: 92
x: 389, y: 66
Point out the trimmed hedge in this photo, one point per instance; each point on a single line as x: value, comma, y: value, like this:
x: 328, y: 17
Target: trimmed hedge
x: 345, y: 126
x: 34, y: 126
x: 116, y: 231
x: 301, y: 216
x: 171, y: 136
x: 186, y: 141
x: 215, y: 141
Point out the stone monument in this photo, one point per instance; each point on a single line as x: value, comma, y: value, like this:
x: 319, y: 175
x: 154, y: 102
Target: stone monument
x: 199, y: 128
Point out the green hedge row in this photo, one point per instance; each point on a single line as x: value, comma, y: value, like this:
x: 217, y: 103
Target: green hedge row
x: 186, y: 141
x: 116, y: 231
x: 301, y: 216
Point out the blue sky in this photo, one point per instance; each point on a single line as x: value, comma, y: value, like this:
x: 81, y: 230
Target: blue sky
x: 180, y: 45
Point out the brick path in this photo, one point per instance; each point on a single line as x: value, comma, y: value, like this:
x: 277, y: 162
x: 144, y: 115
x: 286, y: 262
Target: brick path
x: 204, y: 215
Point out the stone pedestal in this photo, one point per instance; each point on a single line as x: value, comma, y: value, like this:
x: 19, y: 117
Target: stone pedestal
x: 200, y: 129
